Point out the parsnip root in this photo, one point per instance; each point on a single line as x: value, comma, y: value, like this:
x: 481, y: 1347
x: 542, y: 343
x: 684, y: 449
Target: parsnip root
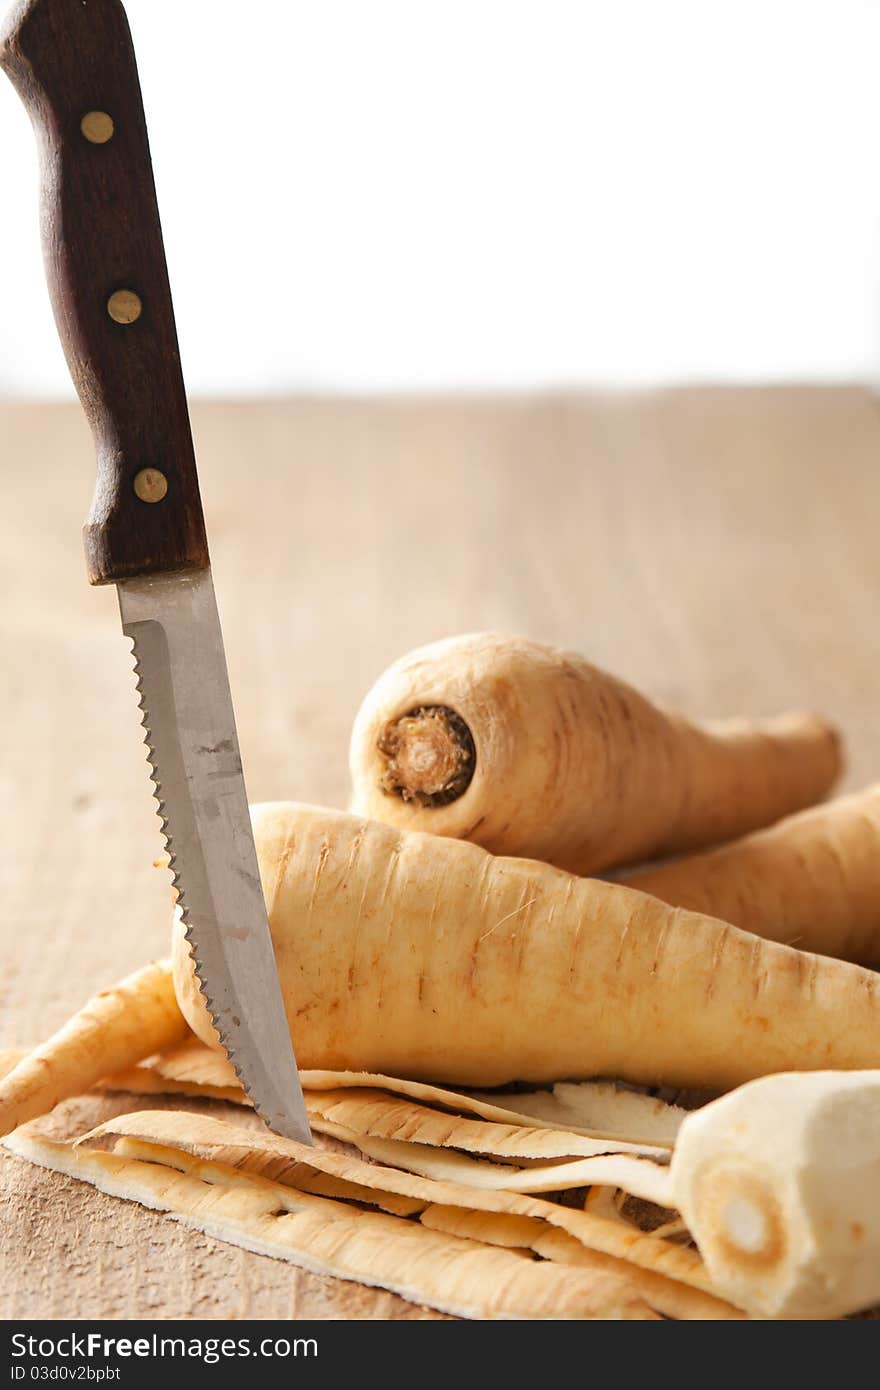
x: 812, y: 881
x: 112, y: 1031
x: 414, y: 956
x: 531, y: 751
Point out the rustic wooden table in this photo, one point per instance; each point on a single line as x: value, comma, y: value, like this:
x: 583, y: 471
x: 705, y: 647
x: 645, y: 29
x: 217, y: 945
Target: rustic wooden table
x: 717, y: 547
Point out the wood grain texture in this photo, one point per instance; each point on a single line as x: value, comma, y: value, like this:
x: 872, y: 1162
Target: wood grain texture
x: 716, y: 548
x: 105, y: 264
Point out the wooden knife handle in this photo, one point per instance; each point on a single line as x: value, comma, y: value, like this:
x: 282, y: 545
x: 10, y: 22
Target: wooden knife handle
x: 73, y: 65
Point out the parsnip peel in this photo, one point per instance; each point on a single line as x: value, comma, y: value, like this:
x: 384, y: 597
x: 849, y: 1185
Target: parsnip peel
x: 528, y: 1233
x: 597, y: 1107
x: 378, y: 1114
x: 283, y: 1160
x: 592, y: 1110
x: 600, y: 1110
x: 641, y: 1176
x: 451, y: 1273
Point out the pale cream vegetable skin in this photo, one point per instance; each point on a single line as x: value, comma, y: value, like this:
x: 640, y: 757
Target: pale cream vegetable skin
x: 529, y: 750
x: 428, y: 958
x: 113, y: 1030
x: 812, y: 881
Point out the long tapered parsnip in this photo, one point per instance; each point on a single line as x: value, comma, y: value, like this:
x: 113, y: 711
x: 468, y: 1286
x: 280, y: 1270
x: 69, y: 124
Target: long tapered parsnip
x: 812, y: 881
x: 528, y: 750
x: 415, y: 956
x: 114, y: 1030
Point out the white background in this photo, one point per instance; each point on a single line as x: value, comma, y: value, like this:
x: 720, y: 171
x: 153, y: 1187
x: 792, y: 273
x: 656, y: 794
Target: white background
x: 373, y: 194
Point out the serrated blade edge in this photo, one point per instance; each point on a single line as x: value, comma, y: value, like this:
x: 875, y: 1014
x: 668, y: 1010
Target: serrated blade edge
x: 192, y: 745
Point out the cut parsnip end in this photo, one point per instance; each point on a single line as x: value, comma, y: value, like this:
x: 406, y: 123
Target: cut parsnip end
x: 777, y: 1182
x: 429, y: 756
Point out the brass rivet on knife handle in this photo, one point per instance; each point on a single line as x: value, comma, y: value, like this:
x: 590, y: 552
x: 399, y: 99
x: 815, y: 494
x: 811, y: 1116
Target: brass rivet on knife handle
x: 73, y: 65
x: 97, y: 127
x: 150, y: 485
x: 124, y: 306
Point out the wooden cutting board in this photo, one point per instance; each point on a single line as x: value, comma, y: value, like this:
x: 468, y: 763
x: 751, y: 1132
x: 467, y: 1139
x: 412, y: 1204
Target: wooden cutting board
x: 718, y: 547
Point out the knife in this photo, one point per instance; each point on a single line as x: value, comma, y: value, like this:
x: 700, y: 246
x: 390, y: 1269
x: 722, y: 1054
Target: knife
x: 73, y: 64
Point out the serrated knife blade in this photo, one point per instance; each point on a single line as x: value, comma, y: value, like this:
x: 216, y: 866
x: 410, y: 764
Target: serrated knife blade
x: 193, y: 749
x: 74, y: 67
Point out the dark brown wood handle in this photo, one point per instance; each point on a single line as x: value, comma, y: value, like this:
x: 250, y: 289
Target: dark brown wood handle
x: 73, y: 65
